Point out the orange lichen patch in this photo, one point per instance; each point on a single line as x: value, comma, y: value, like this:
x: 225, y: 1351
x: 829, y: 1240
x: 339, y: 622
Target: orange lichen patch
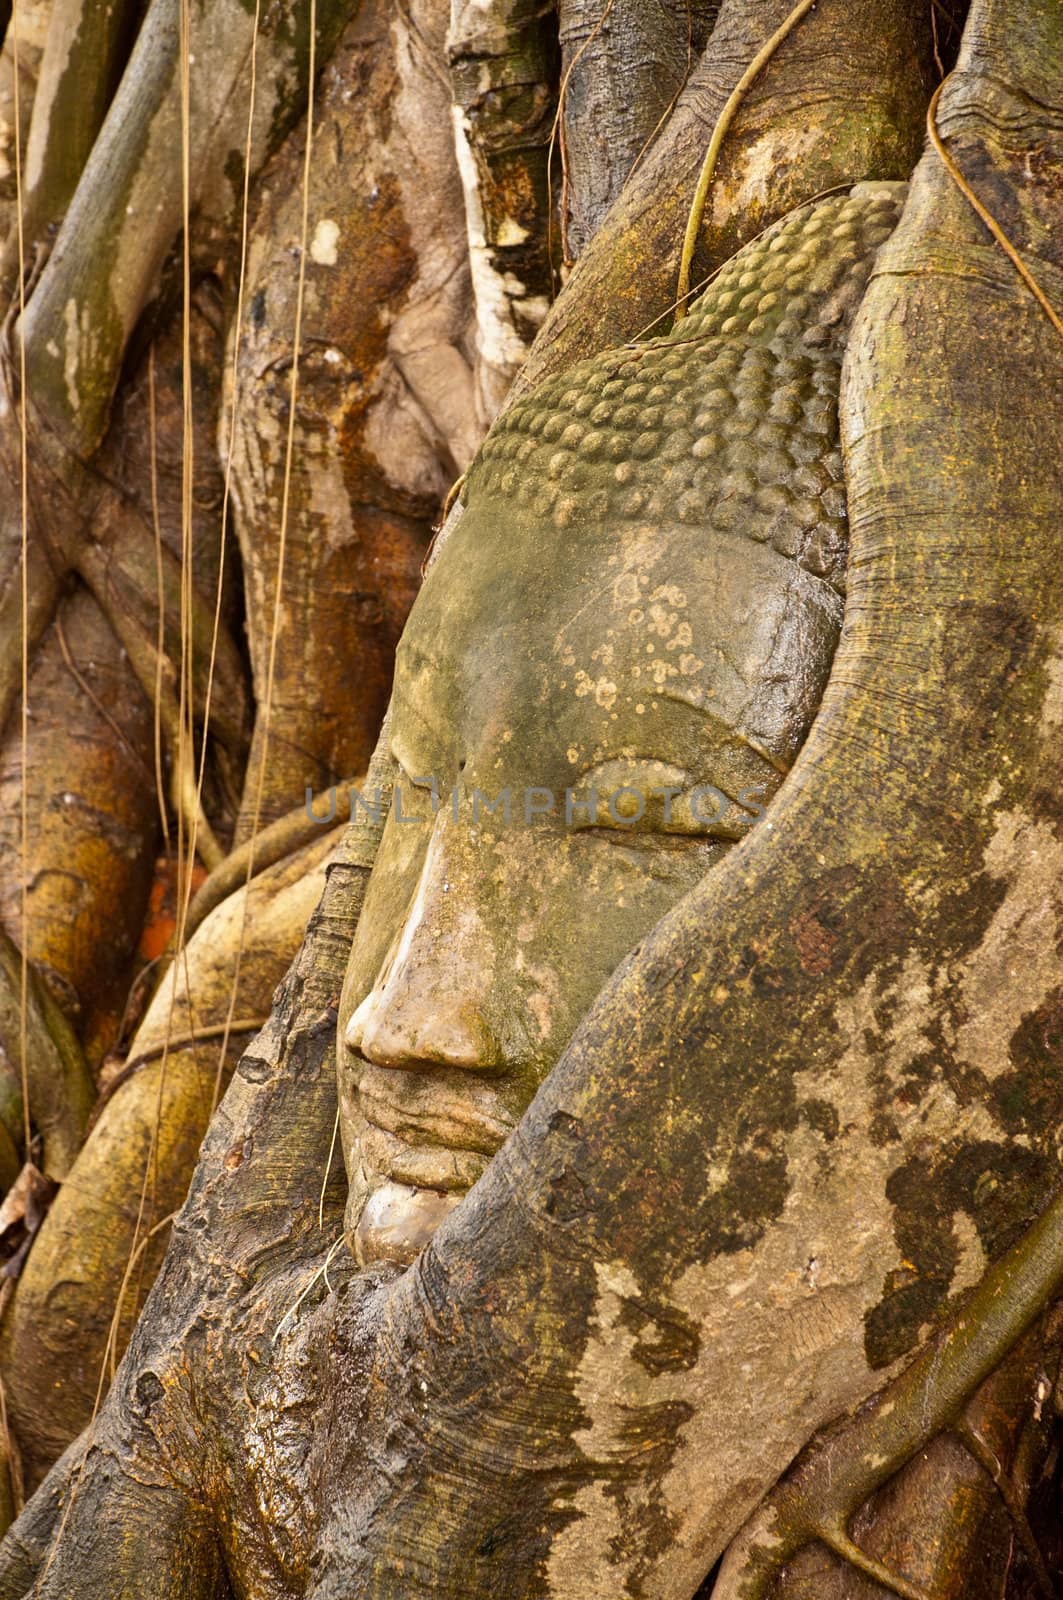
x: 160, y: 923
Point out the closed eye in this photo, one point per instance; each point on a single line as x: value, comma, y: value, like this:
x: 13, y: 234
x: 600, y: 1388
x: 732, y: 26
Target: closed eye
x: 624, y: 797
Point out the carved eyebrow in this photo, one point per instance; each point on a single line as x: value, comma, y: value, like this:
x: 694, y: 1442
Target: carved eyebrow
x: 735, y: 730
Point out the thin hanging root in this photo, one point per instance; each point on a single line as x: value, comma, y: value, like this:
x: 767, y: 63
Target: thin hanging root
x: 448, y: 505
x: 973, y: 1442
x: 24, y: 613
x: 184, y: 792
x: 223, y: 531
x: 328, y: 1172
x: 322, y: 1272
x: 259, y: 781
x: 719, y: 134
x: 145, y: 662
x: 987, y: 216
x: 181, y: 1041
x: 838, y: 1474
x: 823, y: 194
x: 111, y: 1354
x: 160, y: 638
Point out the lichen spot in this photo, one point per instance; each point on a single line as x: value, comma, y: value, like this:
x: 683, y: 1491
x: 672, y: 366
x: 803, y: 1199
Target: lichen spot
x: 323, y: 244
x: 1052, y: 706
x: 971, y: 1263
x: 626, y: 589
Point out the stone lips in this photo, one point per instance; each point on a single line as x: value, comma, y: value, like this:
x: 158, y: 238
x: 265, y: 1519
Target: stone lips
x: 731, y: 420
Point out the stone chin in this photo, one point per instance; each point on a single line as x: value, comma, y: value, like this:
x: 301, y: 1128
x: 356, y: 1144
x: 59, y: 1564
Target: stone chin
x: 394, y: 1222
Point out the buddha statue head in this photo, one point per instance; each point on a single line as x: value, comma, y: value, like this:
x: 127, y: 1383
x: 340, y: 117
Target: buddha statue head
x: 605, y: 677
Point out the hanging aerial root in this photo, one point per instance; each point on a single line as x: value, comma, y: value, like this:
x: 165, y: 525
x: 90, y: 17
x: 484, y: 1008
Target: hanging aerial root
x: 835, y: 1477
x: 986, y: 215
x: 238, y: 1028
x: 145, y: 662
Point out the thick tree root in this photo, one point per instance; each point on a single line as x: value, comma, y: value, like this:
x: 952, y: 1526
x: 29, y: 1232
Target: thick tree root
x: 830, y: 1483
x: 270, y: 845
x: 26, y: 1550
x: 942, y: 1521
x: 623, y: 69
x: 133, y: 1170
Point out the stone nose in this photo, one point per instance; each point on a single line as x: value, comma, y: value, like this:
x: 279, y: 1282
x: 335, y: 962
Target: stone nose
x: 429, y: 1005
x: 420, y: 1024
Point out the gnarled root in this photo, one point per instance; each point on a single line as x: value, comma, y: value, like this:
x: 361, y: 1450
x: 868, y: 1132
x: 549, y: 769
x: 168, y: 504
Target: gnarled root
x: 103, y: 1240
x: 819, y: 1498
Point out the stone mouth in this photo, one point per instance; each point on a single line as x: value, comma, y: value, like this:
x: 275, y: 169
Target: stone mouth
x: 440, y: 1167
x: 445, y: 1110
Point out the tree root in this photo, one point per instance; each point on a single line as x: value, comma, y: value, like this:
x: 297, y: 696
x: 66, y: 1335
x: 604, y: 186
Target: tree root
x: 143, y: 658
x: 979, y: 1447
x: 270, y: 845
x: 134, y: 1168
x: 836, y: 1476
x: 83, y: 54
x: 26, y: 1550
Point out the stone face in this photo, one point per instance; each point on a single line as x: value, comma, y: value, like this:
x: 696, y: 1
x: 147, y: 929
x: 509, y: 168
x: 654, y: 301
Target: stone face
x: 728, y: 422
x: 643, y: 597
